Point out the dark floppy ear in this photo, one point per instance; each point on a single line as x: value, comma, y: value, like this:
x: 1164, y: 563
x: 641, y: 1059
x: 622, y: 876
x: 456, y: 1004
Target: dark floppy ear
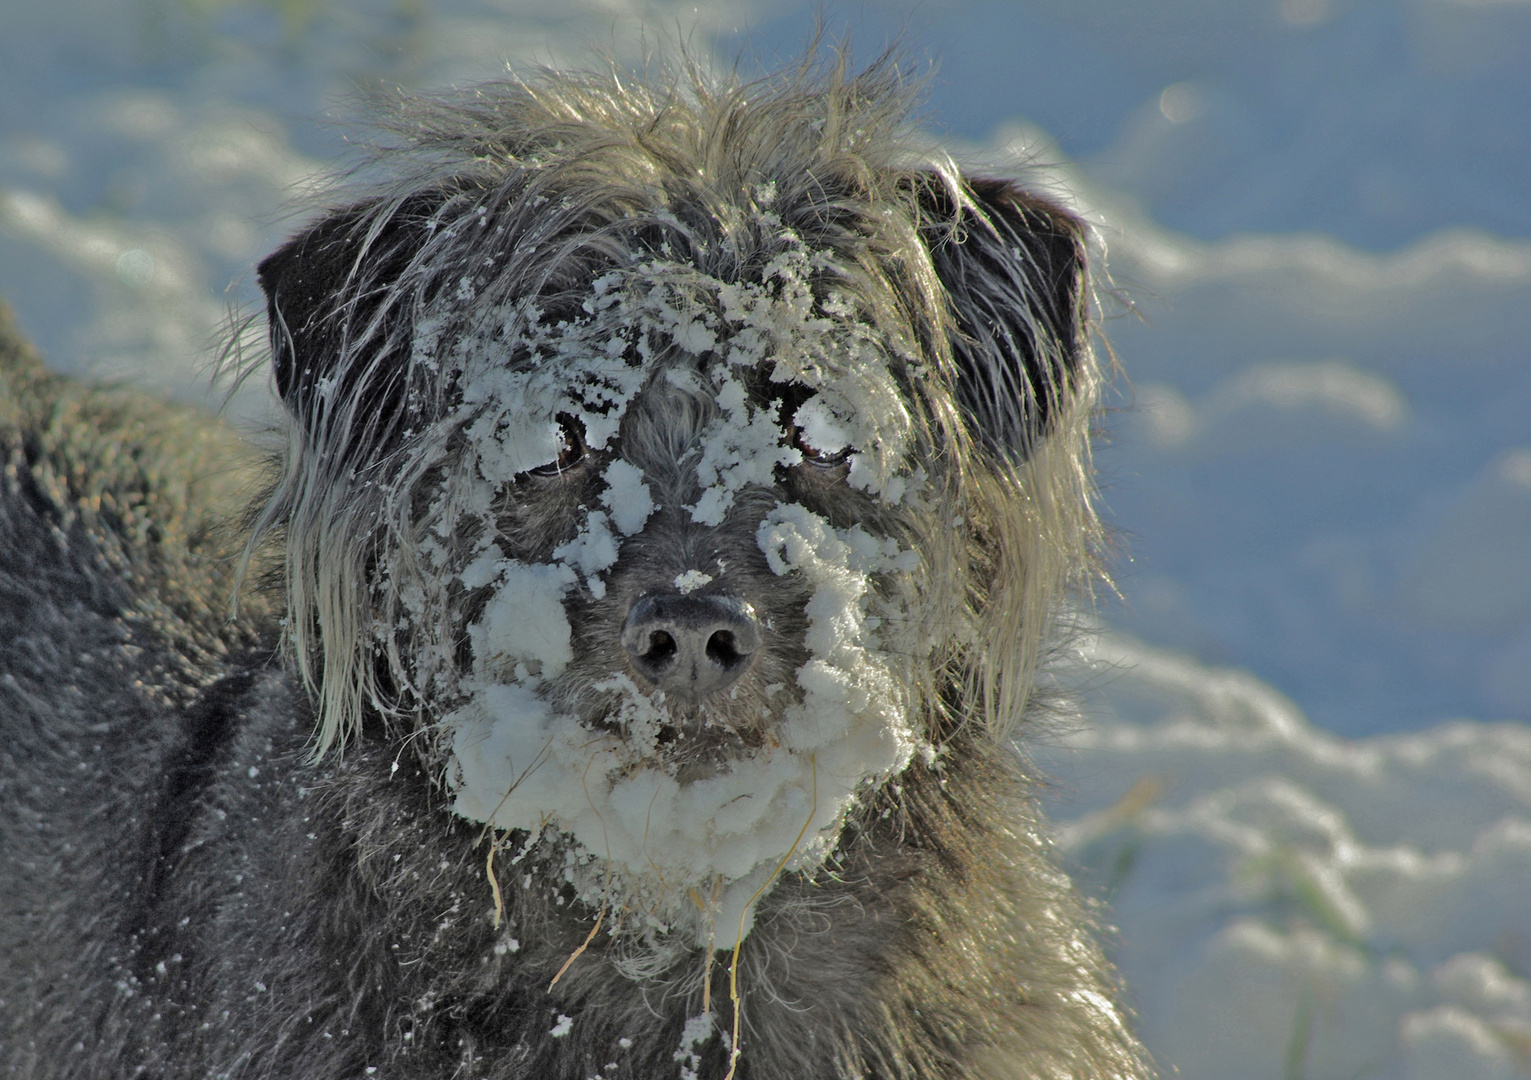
x: 1014, y: 274
x: 331, y: 299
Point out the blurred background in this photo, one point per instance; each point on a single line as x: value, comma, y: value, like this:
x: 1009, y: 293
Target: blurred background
x: 1304, y: 775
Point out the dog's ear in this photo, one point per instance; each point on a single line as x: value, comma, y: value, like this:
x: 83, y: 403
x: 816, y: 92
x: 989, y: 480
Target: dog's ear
x: 330, y: 300
x: 1012, y: 265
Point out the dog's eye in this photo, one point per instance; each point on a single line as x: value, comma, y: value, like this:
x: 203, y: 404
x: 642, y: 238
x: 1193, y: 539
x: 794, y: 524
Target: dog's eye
x: 825, y: 459
x: 571, y: 447
x: 802, y: 411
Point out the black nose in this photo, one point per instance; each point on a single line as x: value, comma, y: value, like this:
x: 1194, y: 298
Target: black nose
x: 691, y: 646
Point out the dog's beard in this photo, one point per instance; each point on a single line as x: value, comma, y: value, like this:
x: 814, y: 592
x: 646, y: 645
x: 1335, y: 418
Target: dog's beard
x: 689, y: 740
x: 680, y: 824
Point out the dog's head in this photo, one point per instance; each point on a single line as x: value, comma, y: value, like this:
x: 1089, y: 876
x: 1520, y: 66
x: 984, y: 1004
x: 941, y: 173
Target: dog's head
x: 685, y: 462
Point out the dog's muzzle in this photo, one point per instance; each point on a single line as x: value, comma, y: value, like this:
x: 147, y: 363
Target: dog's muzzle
x: 691, y: 646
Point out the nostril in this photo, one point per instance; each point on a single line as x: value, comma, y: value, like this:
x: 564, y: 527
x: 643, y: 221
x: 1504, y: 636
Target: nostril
x: 661, y: 649
x: 723, y: 649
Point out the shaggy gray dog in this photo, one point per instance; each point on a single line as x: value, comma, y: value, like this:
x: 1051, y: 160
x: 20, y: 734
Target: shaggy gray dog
x: 680, y: 486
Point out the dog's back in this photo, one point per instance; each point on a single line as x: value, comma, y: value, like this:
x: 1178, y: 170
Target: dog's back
x: 115, y: 580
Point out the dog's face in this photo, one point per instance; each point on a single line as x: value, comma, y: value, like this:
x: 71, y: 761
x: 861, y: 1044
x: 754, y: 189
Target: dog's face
x: 691, y: 599
x: 663, y: 533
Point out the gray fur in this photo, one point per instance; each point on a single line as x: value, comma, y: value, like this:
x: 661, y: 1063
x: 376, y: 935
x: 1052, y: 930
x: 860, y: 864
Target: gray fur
x: 191, y: 890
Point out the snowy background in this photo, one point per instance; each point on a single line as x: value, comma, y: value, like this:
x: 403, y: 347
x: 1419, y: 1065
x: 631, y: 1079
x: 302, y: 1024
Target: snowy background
x: 1305, y: 783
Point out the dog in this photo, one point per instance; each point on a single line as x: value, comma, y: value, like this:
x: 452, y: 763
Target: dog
x: 681, y: 483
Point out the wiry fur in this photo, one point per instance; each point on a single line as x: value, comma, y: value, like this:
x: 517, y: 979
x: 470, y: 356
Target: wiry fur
x: 572, y: 175
x: 242, y: 864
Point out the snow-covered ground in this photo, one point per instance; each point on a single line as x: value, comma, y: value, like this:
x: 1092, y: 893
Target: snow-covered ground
x: 1318, y: 221
x: 1292, y: 903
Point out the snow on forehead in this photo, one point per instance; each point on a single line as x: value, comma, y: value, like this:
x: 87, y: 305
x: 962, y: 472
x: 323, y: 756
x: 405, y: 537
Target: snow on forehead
x: 517, y: 372
x: 518, y: 369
